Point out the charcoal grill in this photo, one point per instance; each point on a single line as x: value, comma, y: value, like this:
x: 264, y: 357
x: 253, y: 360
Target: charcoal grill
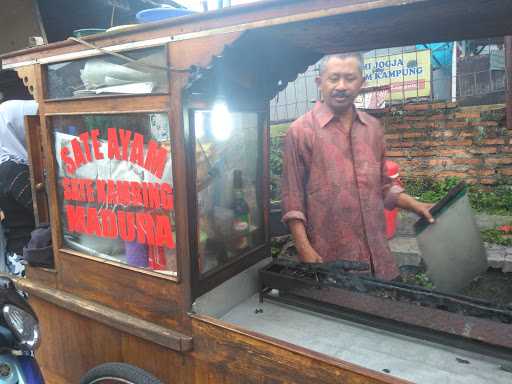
x: 344, y: 290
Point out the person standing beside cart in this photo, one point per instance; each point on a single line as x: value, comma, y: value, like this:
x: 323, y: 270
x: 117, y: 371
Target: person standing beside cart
x: 15, y: 190
x: 335, y: 183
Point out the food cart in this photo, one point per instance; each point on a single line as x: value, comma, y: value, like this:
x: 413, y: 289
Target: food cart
x: 150, y: 160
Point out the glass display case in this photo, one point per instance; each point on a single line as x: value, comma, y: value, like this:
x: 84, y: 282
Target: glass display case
x: 228, y: 185
x: 142, y: 71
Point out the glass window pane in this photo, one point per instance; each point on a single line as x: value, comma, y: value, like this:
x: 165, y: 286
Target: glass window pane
x: 228, y: 185
x: 115, y: 188
x: 109, y: 75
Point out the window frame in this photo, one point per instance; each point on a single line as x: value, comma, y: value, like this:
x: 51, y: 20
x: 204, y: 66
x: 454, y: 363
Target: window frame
x: 45, y: 88
x: 64, y: 251
x: 204, y: 282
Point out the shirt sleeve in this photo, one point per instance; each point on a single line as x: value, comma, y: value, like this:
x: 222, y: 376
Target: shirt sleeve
x: 390, y: 188
x: 17, y: 180
x: 293, y: 179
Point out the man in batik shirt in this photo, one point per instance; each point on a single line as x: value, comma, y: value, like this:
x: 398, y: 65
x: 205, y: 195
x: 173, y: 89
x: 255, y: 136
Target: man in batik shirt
x: 335, y: 183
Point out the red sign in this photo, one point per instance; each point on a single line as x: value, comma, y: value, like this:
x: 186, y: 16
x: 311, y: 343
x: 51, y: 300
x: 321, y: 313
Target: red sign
x: 130, y: 210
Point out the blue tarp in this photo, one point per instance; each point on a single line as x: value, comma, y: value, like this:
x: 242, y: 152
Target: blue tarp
x: 441, y: 53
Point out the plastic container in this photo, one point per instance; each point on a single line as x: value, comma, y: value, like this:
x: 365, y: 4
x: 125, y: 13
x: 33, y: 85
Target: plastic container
x: 156, y: 14
x: 391, y: 222
x: 391, y: 215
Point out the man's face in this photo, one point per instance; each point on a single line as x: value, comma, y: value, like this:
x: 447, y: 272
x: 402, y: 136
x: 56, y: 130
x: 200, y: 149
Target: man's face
x: 340, y: 83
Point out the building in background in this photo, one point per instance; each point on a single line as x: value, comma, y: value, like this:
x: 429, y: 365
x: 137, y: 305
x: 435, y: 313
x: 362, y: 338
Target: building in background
x: 415, y: 73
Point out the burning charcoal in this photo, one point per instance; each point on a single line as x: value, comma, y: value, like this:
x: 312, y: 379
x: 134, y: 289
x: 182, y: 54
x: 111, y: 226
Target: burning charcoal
x: 351, y: 282
x: 462, y: 361
x: 348, y: 265
x: 358, y: 285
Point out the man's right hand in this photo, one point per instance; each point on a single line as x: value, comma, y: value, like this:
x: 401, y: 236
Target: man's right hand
x: 306, y: 252
x: 310, y: 256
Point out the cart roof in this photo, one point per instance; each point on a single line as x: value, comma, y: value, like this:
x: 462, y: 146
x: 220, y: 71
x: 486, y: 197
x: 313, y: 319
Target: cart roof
x: 324, y: 26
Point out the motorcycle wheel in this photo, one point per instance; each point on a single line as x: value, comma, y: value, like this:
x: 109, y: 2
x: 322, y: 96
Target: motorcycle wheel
x: 118, y: 373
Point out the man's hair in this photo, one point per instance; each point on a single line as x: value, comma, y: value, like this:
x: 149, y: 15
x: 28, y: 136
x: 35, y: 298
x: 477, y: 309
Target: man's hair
x: 356, y: 55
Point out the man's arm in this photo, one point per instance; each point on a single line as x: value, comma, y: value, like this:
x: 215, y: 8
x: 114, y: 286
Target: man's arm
x: 293, y: 195
x: 394, y: 196
x: 306, y: 252
x: 17, y: 179
x: 409, y: 203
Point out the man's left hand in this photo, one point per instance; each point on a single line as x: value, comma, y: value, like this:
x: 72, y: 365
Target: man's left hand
x: 411, y: 204
x: 423, y: 209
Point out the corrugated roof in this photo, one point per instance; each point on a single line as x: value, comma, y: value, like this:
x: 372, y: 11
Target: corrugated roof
x: 276, y: 47
x: 276, y: 55
x: 258, y: 62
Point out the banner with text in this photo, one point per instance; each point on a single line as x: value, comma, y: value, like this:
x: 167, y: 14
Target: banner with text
x: 408, y: 75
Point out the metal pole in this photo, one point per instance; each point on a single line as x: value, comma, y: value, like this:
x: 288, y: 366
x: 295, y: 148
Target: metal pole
x: 454, y: 72
x: 508, y: 79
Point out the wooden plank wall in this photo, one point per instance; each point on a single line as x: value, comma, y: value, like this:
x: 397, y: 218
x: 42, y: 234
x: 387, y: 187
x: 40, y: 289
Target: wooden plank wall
x: 72, y: 344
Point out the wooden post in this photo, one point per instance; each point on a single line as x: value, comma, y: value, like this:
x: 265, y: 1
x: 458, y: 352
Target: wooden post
x: 508, y: 79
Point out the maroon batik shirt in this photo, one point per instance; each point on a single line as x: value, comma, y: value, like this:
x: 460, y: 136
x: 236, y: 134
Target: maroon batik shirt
x: 335, y: 181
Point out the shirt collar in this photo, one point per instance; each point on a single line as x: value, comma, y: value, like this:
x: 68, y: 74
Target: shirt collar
x: 324, y: 115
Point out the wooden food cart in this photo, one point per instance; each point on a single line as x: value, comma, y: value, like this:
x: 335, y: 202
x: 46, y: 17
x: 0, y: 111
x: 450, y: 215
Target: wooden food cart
x: 150, y: 161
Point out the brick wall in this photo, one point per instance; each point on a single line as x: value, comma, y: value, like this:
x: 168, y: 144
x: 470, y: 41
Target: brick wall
x: 442, y: 139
